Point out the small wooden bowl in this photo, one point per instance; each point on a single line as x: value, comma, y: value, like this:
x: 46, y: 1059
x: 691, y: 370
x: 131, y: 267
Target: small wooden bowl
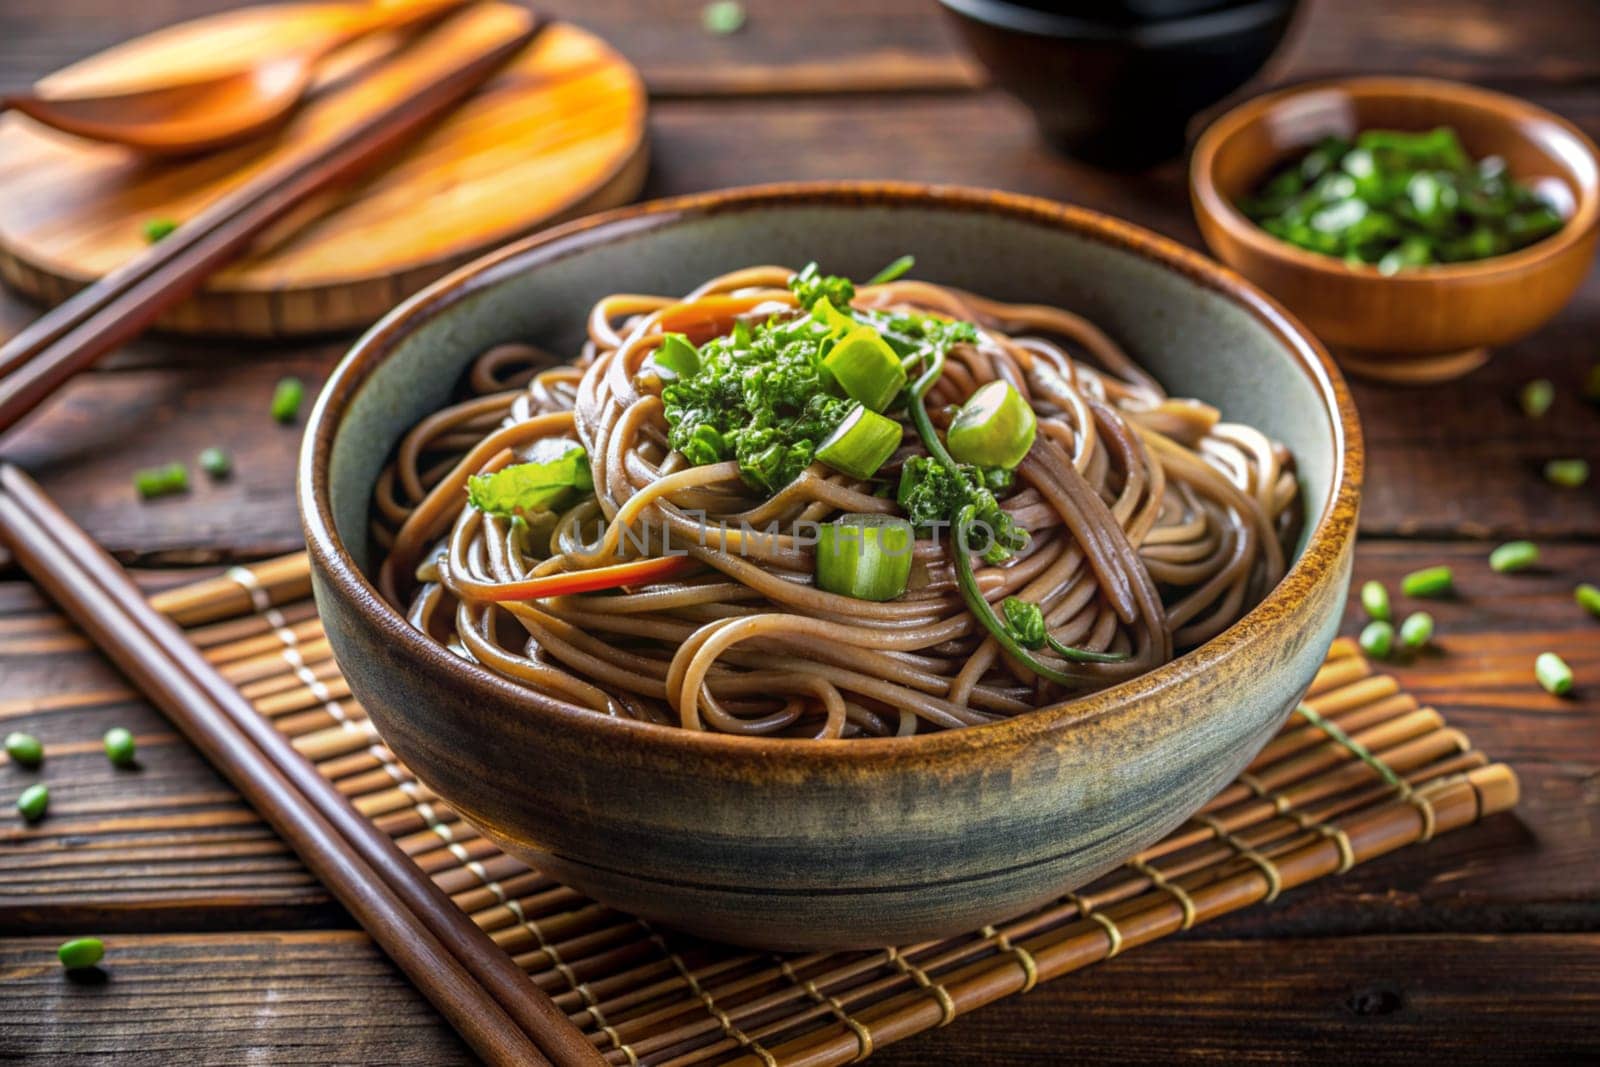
x: 1429, y: 324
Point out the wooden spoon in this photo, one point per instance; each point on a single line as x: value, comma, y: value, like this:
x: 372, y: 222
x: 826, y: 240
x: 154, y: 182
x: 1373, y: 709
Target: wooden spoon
x: 212, y: 110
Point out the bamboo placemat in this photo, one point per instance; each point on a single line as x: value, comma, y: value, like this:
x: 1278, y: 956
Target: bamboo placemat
x: 1359, y: 771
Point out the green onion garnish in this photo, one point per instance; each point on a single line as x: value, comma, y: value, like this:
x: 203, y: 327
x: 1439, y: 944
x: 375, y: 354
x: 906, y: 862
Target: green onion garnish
x: 81, y: 952
x: 161, y: 481
x: 1536, y: 397
x: 215, y: 462
x: 155, y: 229
x: 722, y: 17
x: 866, y: 368
x: 1375, y: 601
x: 33, y: 801
x: 1553, y: 673
x: 1377, y: 639
x: 863, y: 442
x: 286, y: 399
x: 994, y: 428
x: 1429, y: 582
x: 1588, y: 598
x: 1417, y: 630
x: 865, y: 556
x: 24, y: 749
x: 893, y: 270
x: 119, y: 746
x: 677, y: 356
x: 1567, y: 473
x: 1513, y: 556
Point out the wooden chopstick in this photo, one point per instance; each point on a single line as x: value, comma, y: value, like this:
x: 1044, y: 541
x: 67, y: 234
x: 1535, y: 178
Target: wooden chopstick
x: 507, y: 1018
x: 118, y: 307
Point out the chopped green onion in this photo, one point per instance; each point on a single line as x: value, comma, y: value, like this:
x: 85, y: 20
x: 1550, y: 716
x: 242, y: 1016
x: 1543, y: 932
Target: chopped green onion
x: 547, y: 478
x: 865, y: 556
x: 81, y: 952
x: 677, y: 356
x: 863, y: 442
x: 994, y: 428
x: 215, y: 462
x: 1588, y: 598
x: 155, y: 229
x: 1417, y: 630
x: 1567, y: 473
x: 24, y: 749
x: 1429, y: 582
x: 160, y: 481
x: 866, y: 368
x: 1375, y: 601
x: 119, y: 746
x: 1553, y: 673
x: 838, y: 322
x: 286, y: 399
x: 1513, y: 556
x: 722, y: 17
x: 1377, y: 639
x: 1536, y: 397
x: 893, y: 270
x: 33, y: 801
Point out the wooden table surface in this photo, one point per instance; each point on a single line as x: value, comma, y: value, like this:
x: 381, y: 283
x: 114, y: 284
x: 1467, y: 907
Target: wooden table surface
x: 1485, y: 945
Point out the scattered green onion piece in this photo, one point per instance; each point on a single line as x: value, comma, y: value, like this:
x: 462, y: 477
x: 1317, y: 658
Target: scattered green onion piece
x: 893, y: 270
x: 867, y: 557
x: 286, y: 399
x: 1429, y: 582
x: 863, y: 442
x: 161, y: 481
x: 119, y: 746
x: 24, y: 749
x: 1375, y: 601
x: 866, y: 368
x: 81, y: 952
x: 994, y: 428
x: 33, y: 801
x: 155, y: 229
x: 677, y: 356
x: 1417, y: 630
x: 1513, y: 556
x: 722, y: 17
x: 1588, y: 598
x: 1553, y: 673
x: 1536, y: 397
x: 1377, y: 639
x: 1567, y: 473
x: 215, y: 462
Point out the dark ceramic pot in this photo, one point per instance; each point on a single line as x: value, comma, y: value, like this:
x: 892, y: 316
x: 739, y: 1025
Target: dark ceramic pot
x: 817, y: 844
x: 1119, y: 94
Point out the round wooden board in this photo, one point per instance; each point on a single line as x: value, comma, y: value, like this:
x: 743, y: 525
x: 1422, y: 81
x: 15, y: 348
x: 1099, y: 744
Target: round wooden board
x: 558, y: 133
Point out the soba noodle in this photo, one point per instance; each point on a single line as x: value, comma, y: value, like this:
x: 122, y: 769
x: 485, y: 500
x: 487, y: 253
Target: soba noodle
x: 1153, y: 526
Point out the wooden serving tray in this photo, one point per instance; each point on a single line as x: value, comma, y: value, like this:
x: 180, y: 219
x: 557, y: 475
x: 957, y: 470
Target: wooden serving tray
x: 1361, y: 770
x: 558, y: 133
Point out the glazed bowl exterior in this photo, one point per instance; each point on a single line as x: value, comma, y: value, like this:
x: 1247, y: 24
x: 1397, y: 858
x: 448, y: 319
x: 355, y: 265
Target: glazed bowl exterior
x: 1419, y: 325
x: 1120, y: 93
x: 829, y: 844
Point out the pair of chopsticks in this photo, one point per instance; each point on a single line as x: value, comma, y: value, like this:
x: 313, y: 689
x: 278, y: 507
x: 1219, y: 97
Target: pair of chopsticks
x: 507, y: 1019
x: 502, y: 1014
x: 118, y: 307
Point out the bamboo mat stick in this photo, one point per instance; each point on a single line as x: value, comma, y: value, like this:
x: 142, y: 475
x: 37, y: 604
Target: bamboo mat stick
x: 417, y: 917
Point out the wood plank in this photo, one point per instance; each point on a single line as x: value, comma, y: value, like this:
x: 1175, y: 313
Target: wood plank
x: 329, y: 997
x: 837, y: 46
x: 170, y: 847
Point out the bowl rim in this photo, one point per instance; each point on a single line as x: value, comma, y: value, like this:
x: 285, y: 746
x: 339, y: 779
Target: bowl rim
x: 1211, y: 204
x: 1158, y: 33
x: 1333, y: 529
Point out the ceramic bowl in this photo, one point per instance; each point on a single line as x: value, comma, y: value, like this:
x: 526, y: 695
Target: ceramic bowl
x: 1422, y: 325
x: 815, y: 844
x: 1120, y: 92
